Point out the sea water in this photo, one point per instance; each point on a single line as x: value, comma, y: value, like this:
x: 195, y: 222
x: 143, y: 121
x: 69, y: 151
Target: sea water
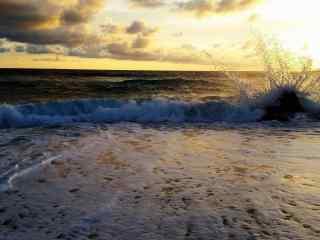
x: 151, y: 155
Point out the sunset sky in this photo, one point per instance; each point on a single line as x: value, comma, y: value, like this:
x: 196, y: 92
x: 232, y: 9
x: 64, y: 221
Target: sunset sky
x: 152, y: 34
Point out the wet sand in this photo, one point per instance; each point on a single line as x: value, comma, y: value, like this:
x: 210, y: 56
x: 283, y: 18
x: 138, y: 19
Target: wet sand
x: 132, y: 183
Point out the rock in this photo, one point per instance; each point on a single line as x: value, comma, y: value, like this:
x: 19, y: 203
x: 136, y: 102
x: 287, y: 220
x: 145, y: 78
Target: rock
x: 284, y: 108
x: 2, y: 209
x: 7, y: 222
x: 42, y: 180
x: 74, y: 190
x: 60, y: 236
x: 93, y: 236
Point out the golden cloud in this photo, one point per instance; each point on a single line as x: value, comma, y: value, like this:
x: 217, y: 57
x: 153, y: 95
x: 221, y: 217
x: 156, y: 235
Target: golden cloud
x: 207, y: 7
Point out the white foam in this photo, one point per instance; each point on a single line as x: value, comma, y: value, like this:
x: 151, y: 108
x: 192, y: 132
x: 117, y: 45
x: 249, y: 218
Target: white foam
x: 17, y: 173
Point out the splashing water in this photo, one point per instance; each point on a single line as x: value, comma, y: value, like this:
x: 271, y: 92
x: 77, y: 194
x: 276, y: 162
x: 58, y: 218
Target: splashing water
x: 284, y: 73
x: 285, y: 70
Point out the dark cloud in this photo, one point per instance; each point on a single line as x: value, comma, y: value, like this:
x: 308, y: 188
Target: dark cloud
x: 37, y: 49
x: 82, y: 11
x: 140, y: 27
x: 47, y: 21
x: 136, y: 27
x: 4, y: 50
x: 89, y: 51
x: 141, y: 42
x: 62, y: 35
x: 180, y: 55
x: 124, y: 51
x: 186, y: 54
x: 40, y: 26
x: 128, y: 51
x: 20, y: 49
x: 206, y: 7
x: 148, y: 3
x: 26, y: 14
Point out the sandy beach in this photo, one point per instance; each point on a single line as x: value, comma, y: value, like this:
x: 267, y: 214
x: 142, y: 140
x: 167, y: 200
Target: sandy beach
x: 152, y: 184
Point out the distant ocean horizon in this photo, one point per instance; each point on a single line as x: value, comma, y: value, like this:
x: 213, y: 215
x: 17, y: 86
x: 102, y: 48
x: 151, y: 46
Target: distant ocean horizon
x: 25, y: 84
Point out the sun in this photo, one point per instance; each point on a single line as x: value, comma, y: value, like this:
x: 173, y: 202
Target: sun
x: 295, y: 24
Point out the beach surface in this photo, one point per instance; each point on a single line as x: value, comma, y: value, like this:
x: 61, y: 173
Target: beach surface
x: 127, y: 181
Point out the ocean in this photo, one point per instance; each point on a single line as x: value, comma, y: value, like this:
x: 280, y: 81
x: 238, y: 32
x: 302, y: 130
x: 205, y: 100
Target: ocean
x: 151, y: 155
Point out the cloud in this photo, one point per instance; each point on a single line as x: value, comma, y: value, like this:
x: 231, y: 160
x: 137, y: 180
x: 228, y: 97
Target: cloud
x: 148, y: 3
x: 37, y: 49
x: 110, y: 28
x: 62, y: 35
x: 186, y: 54
x: 139, y: 50
x: 82, y: 11
x: 234, y: 5
x: 4, y: 47
x: 207, y: 7
x: 136, y: 27
x: 141, y: 42
x: 62, y: 27
x: 123, y: 51
x: 140, y: 27
x: 4, y: 50
x: 47, y: 21
x: 178, y: 55
x: 20, y: 49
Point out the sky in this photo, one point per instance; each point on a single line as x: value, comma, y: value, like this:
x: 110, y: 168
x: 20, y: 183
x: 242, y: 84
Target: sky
x: 153, y: 34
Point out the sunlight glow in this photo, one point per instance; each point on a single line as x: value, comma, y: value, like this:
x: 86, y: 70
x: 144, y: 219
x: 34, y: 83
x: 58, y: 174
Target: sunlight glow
x: 295, y: 24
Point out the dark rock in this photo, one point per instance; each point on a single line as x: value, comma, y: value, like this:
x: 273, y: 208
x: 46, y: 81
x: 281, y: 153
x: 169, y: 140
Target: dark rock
x: 60, y: 236
x: 7, y: 222
x: 2, y: 209
x: 93, y: 236
x: 42, y: 180
x: 74, y: 190
x: 286, y: 107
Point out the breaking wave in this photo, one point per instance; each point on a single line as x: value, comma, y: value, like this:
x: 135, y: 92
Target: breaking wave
x: 289, y: 86
x: 113, y: 111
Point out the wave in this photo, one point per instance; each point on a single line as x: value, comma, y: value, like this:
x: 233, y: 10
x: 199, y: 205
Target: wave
x: 113, y: 111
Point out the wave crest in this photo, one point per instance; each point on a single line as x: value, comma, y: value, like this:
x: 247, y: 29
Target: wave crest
x: 113, y: 111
